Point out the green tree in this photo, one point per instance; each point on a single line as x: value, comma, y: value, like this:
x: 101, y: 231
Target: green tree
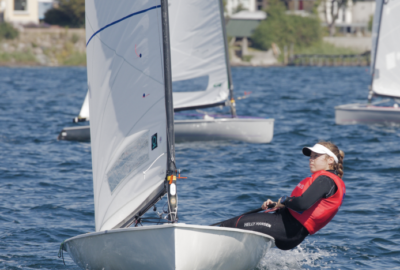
x: 332, y: 7
x: 7, y: 31
x: 68, y: 13
x: 284, y: 29
x: 370, y: 22
x: 238, y: 8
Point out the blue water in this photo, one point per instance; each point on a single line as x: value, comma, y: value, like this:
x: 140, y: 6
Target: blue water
x: 46, y: 186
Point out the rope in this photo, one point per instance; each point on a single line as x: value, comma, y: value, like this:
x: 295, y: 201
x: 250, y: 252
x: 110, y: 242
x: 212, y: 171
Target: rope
x: 61, y: 252
x: 271, y: 210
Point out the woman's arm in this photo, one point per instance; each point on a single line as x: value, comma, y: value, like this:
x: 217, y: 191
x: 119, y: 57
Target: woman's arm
x: 322, y: 187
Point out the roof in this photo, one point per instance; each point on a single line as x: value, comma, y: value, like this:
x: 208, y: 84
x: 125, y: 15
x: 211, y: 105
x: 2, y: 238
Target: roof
x: 241, y: 28
x: 243, y: 23
x: 249, y: 15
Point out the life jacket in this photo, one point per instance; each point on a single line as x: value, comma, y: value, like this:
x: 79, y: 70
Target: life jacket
x: 322, y: 212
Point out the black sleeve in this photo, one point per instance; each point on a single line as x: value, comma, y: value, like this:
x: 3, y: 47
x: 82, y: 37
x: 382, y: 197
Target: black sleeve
x: 322, y: 187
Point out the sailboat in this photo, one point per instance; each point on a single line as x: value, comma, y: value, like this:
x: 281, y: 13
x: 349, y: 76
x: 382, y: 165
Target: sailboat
x: 385, y: 71
x: 199, y: 49
x: 84, y: 113
x: 78, y: 133
x: 133, y: 156
x: 200, y: 52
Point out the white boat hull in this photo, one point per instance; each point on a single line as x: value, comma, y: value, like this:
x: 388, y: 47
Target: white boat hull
x: 172, y: 246
x: 252, y: 130
x: 79, y: 133
x: 351, y: 114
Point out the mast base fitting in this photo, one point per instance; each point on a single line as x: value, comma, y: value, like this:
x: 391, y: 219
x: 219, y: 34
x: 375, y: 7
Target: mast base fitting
x: 171, y: 178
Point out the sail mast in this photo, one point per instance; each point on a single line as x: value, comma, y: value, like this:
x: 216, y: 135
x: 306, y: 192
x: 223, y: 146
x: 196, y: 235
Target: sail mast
x: 228, y: 67
x: 376, y: 52
x: 171, y: 173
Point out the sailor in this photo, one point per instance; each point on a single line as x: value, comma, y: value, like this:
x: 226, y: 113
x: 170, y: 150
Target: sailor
x: 312, y: 204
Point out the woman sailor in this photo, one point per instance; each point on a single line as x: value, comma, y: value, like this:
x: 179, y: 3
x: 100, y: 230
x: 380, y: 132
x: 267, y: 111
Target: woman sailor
x: 312, y: 204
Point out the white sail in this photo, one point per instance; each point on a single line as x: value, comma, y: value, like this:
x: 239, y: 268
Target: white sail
x: 386, y: 81
x: 198, y: 50
x: 127, y: 106
x: 84, y: 113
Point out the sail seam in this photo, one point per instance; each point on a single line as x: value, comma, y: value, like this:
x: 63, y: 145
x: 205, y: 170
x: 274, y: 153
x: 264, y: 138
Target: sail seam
x: 151, y: 165
x: 127, y: 62
x: 122, y: 19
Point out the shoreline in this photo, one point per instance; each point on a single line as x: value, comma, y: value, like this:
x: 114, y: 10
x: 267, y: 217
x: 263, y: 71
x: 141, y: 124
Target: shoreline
x: 45, y: 47
x: 64, y: 47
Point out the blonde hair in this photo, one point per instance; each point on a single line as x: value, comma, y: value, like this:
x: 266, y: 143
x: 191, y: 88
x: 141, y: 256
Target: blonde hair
x: 339, y: 154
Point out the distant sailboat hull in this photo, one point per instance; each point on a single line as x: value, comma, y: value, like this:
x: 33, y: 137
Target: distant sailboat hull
x: 252, y: 130
x: 172, y: 246
x: 79, y: 133
x: 350, y: 114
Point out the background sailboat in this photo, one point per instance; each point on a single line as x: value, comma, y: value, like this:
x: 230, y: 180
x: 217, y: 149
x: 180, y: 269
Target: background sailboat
x: 78, y: 133
x: 199, y: 52
x: 385, y: 70
x: 133, y: 157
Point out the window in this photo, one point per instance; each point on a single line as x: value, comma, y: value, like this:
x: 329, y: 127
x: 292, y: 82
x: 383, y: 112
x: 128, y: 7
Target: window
x: 20, y: 5
x: 189, y: 85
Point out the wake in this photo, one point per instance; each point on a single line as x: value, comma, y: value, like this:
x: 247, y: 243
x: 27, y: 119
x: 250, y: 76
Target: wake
x: 300, y: 257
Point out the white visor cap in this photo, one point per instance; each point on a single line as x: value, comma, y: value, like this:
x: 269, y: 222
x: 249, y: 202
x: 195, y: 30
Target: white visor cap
x: 319, y: 149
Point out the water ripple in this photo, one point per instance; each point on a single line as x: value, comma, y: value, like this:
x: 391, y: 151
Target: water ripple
x: 47, y: 187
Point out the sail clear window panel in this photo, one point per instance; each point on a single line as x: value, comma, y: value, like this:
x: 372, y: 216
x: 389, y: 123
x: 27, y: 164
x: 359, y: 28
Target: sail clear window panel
x: 135, y: 155
x: 189, y: 85
x: 217, y: 94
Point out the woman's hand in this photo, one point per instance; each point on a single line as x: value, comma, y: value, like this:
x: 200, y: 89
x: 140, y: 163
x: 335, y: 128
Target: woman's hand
x: 266, y: 203
x: 279, y: 205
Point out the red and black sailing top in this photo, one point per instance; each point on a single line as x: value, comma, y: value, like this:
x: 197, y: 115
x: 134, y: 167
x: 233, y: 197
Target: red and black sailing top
x: 324, y: 209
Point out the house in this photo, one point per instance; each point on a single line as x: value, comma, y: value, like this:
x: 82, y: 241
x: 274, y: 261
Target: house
x: 24, y: 12
x: 2, y: 8
x: 44, y: 5
x: 234, y: 6
x: 241, y: 25
x: 352, y: 18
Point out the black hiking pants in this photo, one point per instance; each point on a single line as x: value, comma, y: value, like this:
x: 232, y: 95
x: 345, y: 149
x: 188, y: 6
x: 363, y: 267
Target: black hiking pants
x: 287, y: 231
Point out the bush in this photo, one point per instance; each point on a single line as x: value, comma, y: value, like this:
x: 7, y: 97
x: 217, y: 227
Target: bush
x: 284, y: 29
x: 69, y: 13
x: 7, y: 31
x: 57, y: 17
